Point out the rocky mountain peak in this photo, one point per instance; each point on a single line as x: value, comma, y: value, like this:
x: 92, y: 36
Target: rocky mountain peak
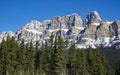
x: 35, y: 22
x: 69, y: 21
x: 8, y: 33
x: 96, y: 33
x: 5, y: 34
x: 33, y: 25
x: 92, y: 17
x: 77, y: 19
x: 116, y: 28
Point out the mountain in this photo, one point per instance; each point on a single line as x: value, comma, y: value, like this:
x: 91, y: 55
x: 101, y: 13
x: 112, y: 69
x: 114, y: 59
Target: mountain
x: 93, y: 32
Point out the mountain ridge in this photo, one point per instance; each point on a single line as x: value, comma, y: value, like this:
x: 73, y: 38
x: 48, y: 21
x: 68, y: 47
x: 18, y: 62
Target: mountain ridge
x: 93, y: 32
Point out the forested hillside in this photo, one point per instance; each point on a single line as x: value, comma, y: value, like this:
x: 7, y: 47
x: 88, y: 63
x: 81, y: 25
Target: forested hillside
x: 53, y: 58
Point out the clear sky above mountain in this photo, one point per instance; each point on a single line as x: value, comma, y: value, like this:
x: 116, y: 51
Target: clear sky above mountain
x: 16, y: 13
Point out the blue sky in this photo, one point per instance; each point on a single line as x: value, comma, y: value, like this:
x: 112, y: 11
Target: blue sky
x: 16, y: 13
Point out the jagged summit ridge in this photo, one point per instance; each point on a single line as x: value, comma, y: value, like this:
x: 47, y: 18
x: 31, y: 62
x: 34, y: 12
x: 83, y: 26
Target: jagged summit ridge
x: 92, y: 17
x: 93, y: 32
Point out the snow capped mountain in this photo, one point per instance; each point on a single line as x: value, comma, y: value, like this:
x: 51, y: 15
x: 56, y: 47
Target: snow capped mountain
x: 5, y: 34
x: 93, y: 32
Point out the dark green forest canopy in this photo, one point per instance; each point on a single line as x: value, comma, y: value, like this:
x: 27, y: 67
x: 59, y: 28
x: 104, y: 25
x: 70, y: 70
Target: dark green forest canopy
x: 55, y: 58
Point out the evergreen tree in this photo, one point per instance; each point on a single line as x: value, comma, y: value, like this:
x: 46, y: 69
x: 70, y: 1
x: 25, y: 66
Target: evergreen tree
x: 49, y: 51
x: 81, y: 63
x: 72, y: 60
x: 59, y: 58
x: 3, y: 62
x: 97, y: 64
x: 50, y: 54
x: 51, y: 41
x: 117, y: 69
x: 8, y: 54
x: 53, y: 66
x: 31, y: 59
x: 101, y: 64
x: 41, y: 60
x: 21, y: 58
x: 98, y: 68
x: 13, y: 55
x: 26, y: 66
x: 36, y: 58
x: 47, y: 59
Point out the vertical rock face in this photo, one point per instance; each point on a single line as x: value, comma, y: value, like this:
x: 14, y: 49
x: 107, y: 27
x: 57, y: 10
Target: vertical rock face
x: 56, y: 23
x: 92, y: 17
x: 31, y: 32
x: 116, y: 28
x: 90, y: 32
x: 46, y: 24
x: 71, y: 20
x: 103, y: 34
x: 95, y: 33
x: 73, y: 25
x: 103, y: 30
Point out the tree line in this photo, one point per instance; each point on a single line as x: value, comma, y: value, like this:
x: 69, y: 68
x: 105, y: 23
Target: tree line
x: 52, y: 58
